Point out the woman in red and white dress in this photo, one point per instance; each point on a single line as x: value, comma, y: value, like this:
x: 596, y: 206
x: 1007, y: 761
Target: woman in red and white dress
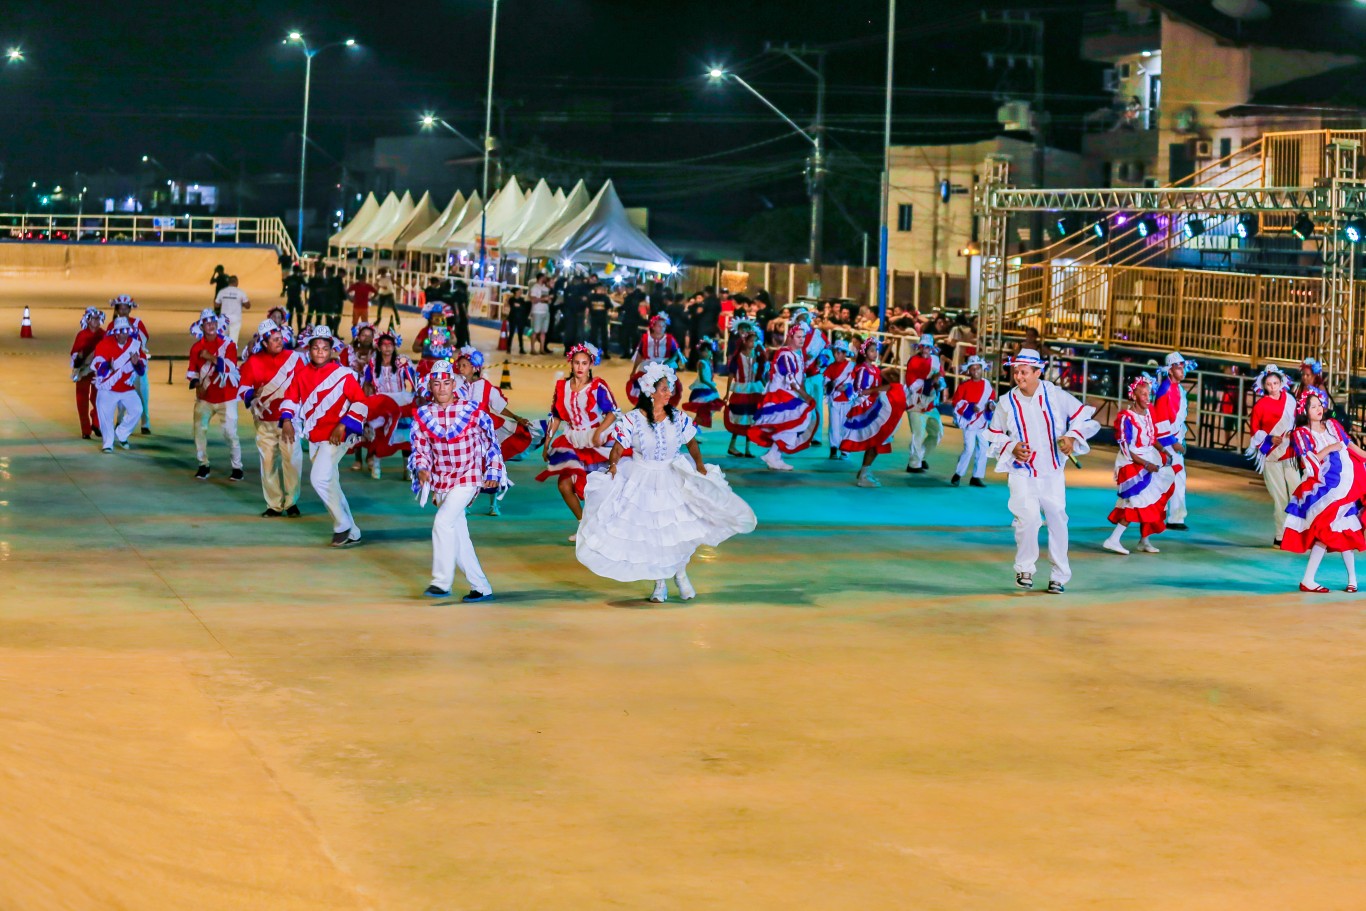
x: 656, y: 346
x: 513, y: 431
x: 1144, y: 474
x: 877, y: 404
x: 1272, y: 421
x: 391, y: 381
x: 747, y: 373
x: 786, y: 420
x: 1324, y: 513
x: 580, y: 435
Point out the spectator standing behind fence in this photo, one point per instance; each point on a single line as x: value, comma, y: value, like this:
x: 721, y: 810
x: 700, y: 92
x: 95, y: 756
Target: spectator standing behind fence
x: 336, y: 298
x: 540, y: 296
x: 317, y: 283
x: 458, y: 296
x: 360, y: 293
x: 292, y: 291
x: 519, y: 316
x: 599, y: 303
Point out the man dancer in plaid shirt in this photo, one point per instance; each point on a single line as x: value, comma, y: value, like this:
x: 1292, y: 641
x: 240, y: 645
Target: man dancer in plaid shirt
x: 327, y: 401
x: 455, y: 457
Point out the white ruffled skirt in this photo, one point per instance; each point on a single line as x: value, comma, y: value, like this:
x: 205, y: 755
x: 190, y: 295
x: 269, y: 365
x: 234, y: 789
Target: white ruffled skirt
x: 645, y: 523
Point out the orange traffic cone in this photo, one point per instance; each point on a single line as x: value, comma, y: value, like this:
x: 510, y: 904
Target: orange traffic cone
x: 505, y: 382
x: 26, y: 326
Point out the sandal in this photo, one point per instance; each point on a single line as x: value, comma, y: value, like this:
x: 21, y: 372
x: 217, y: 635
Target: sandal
x: 734, y: 454
x: 1351, y: 589
x: 1317, y: 589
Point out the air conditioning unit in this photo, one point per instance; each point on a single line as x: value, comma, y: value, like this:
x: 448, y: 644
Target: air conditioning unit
x: 1201, y: 148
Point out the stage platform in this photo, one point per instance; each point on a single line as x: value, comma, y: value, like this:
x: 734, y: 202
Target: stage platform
x: 200, y: 708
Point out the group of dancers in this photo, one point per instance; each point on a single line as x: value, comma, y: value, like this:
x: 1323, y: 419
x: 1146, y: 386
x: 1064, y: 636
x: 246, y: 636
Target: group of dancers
x: 643, y: 520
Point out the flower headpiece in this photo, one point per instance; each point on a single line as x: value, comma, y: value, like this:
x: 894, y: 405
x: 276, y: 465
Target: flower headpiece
x: 434, y: 308
x: 392, y: 336
x: 747, y: 327
x: 95, y: 312
x: 800, y: 329
x: 123, y: 300
x: 1302, y: 403
x: 474, y: 356
x: 1269, y: 370
x: 584, y: 348
x: 1142, y: 379
x: 208, y: 316
x: 661, y: 318
x: 652, y: 374
x: 800, y: 314
x: 707, y: 342
x: 359, y: 327
x: 1313, y: 365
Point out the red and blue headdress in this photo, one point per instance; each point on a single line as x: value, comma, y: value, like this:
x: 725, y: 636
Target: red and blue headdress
x: 584, y: 348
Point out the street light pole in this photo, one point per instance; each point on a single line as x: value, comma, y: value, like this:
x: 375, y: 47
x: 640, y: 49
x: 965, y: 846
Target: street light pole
x: 886, y: 172
x: 309, y: 54
x: 488, y: 145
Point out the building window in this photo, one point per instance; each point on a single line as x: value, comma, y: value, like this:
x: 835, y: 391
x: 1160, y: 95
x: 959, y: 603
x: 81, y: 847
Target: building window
x: 903, y: 217
x: 1226, y: 148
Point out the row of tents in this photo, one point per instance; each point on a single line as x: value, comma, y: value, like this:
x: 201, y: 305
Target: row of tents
x: 515, y: 224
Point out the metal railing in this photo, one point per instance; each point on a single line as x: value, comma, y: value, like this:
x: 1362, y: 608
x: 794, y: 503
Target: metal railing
x: 178, y: 229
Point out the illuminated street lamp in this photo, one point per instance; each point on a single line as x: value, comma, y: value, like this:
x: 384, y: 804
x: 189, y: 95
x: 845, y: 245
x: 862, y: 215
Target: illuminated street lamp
x: 297, y: 37
x: 14, y: 55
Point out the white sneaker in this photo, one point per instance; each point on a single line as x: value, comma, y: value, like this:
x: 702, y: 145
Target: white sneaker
x: 867, y: 480
x: 661, y: 593
x: 375, y: 471
x: 685, y: 589
x: 1147, y: 547
x: 774, y: 460
x: 1115, y: 547
x: 573, y: 538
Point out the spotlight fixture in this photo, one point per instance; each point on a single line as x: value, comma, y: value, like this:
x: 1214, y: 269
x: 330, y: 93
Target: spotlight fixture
x: 1063, y: 226
x: 1193, y: 227
x: 1147, y: 225
x: 1101, y: 229
x: 1354, y: 230
x: 1247, y: 226
x: 1303, y: 227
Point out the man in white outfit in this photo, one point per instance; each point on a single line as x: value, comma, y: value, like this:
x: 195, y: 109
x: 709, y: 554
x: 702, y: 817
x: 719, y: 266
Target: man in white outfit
x: 231, y: 301
x: 455, y: 458
x: 1033, y: 432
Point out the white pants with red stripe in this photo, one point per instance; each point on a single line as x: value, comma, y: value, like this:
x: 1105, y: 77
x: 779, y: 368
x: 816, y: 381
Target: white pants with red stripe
x: 107, y: 405
x: 226, y: 412
x: 1029, y: 498
x: 1281, y: 477
x: 926, y: 431
x: 452, y: 548
x: 326, y: 480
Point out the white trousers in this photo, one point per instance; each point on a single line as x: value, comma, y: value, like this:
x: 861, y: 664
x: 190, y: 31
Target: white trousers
x: 973, y: 446
x: 226, y: 412
x: 282, y: 466
x: 815, y: 387
x: 837, y: 412
x: 234, y: 327
x: 1176, y: 506
x: 926, y: 432
x: 1281, y: 479
x: 326, y: 480
x: 1046, y: 494
x: 145, y: 397
x: 107, y: 405
x: 452, y: 548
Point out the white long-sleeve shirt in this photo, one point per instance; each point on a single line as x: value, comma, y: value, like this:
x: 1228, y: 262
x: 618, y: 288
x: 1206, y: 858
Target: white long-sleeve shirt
x: 1039, y: 421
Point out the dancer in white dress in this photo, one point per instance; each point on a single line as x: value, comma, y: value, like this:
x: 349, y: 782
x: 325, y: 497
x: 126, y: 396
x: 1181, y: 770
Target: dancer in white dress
x: 644, y: 519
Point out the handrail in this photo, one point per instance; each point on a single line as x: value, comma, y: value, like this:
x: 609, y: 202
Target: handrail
x: 115, y: 227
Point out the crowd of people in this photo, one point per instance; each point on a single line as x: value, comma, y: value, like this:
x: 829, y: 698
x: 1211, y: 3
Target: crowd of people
x: 366, y: 400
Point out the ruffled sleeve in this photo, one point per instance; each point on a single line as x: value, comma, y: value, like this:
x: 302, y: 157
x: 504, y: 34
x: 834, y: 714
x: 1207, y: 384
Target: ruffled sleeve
x: 684, y: 428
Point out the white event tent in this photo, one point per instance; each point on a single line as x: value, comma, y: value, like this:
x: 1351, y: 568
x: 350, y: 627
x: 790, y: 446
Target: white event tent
x: 537, y: 213
x: 435, y: 242
x: 603, y: 233
x: 500, y: 214
x: 569, y: 208
x: 421, y: 217
x: 384, y: 222
x: 440, y: 224
x: 367, y: 211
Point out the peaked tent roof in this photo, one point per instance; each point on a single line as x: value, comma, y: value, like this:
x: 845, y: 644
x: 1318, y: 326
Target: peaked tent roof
x: 537, y: 213
x: 357, y: 223
x: 437, y: 242
x: 559, y: 196
x: 422, y: 215
x: 604, y: 233
x: 383, y: 223
x: 436, y: 227
x: 574, y: 203
x: 499, y: 215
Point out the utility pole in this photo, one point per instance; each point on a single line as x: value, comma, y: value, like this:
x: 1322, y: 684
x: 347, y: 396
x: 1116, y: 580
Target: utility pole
x: 815, y: 167
x: 1038, y: 119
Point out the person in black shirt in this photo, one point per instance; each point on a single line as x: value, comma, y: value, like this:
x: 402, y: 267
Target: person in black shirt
x: 697, y: 315
x: 676, y: 310
x: 335, y: 297
x: 458, y: 296
x: 519, y: 316
x: 599, y: 303
x: 316, y: 296
x: 293, y: 293
x: 630, y: 318
x: 575, y: 302
x: 658, y: 296
x: 219, y: 282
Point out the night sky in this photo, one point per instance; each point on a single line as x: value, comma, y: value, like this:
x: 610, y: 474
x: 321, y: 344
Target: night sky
x: 597, y: 87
